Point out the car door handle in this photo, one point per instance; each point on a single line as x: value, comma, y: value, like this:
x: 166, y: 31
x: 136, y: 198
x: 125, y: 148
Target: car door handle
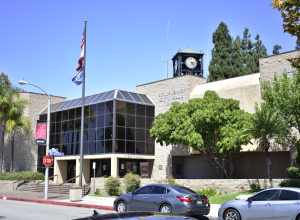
x: 145, y: 197
x: 268, y: 204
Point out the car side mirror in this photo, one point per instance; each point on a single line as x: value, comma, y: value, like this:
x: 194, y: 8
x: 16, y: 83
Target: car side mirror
x: 249, y: 200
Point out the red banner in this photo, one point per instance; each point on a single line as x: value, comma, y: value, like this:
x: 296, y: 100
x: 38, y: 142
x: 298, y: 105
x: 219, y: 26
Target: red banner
x: 41, y: 131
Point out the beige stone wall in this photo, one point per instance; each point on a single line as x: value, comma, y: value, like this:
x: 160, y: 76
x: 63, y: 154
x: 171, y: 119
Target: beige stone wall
x: 25, y: 148
x: 221, y: 185
x: 277, y: 64
x: 163, y: 93
x: 245, y: 89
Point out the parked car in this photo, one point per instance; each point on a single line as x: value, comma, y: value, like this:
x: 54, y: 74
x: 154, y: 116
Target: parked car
x: 135, y: 216
x: 274, y: 203
x: 165, y: 199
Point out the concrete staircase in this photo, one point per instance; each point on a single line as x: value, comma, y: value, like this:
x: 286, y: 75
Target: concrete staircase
x: 53, y: 188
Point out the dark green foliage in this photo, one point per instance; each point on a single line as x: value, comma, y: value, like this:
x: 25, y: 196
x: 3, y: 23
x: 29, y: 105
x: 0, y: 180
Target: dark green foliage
x: 276, y: 49
x: 290, y: 183
x: 131, y: 182
x: 255, y: 187
x: 220, y: 66
x: 208, y: 192
x: 112, y: 186
x: 211, y: 125
x: 23, y: 175
x: 293, y: 172
x: 231, y: 58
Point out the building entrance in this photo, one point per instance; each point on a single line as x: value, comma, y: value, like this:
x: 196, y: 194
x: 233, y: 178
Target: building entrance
x: 71, y: 171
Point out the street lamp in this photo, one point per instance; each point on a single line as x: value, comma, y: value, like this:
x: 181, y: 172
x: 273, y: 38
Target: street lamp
x: 23, y: 83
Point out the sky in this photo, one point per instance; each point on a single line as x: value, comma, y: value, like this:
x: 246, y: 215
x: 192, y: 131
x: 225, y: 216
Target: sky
x: 128, y: 42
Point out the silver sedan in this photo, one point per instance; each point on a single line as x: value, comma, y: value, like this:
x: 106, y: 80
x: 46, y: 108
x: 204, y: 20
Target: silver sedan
x: 274, y: 203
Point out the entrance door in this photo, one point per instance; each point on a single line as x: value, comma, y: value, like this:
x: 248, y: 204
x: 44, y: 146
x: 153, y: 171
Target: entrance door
x: 71, y: 171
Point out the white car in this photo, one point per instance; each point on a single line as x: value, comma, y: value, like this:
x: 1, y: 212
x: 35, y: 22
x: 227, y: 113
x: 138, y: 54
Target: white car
x: 270, y: 204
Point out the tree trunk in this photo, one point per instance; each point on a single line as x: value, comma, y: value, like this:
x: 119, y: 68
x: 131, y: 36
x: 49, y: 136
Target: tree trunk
x: 2, y: 135
x: 269, y: 167
x: 12, y: 162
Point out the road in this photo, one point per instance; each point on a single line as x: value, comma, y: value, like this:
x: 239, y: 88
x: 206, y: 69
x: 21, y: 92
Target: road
x: 16, y: 210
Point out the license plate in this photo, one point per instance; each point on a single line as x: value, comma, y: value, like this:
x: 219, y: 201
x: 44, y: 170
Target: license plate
x: 199, y: 202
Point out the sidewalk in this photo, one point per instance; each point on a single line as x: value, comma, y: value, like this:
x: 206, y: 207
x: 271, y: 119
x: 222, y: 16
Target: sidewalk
x: 92, y: 202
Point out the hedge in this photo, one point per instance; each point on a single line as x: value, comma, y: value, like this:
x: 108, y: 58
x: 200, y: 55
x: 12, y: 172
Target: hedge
x: 131, y: 182
x: 22, y: 175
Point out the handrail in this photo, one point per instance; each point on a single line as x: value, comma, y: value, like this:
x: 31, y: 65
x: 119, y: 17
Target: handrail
x: 68, y: 180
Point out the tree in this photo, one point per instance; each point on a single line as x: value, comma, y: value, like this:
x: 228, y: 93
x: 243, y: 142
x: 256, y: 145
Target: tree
x: 276, y: 49
x: 220, y: 66
x: 283, y: 96
x: 267, y: 125
x: 234, y: 58
x: 6, y: 99
x: 260, y: 51
x: 290, y: 14
x: 16, y: 125
x: 289, y: 10
x: 237, y: 57
x: 211, y: 125
x: 11, y: 109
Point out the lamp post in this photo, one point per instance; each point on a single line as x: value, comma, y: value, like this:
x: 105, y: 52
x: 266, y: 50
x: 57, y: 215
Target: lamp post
x: 23, y: 82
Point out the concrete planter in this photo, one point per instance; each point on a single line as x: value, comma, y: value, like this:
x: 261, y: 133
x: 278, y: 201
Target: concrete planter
x: 75, y: 194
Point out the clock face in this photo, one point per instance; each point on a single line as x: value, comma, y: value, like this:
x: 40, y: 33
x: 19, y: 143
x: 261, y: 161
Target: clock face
x: 191, y: 62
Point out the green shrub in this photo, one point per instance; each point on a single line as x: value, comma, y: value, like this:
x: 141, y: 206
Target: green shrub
x: 293, y: 172
x: 290, y: 183
x: 171, y: 181
x: 22, y: 175
x: 131, y: 182
x: 255, y: 187
x: 207, y: 192
x: 112, y: 186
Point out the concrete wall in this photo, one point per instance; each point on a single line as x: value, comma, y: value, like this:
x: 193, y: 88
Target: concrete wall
x: 277, y: 64
x: 245, y: 89
x: 25, y: 148
x: 246, y: 165
x: 163, y: 93
x: 221, y: 185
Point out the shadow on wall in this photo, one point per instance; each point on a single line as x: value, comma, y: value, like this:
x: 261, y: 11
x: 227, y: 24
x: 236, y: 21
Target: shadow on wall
x: 25, y: 153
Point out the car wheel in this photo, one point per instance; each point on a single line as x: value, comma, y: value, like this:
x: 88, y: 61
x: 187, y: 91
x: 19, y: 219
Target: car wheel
x: 165, y: 208
x: 298, y: 217
x: 231, y: 214
x: 121, y: 207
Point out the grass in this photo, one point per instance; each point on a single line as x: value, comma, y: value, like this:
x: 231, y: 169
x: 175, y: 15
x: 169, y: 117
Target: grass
x: 221, y: 198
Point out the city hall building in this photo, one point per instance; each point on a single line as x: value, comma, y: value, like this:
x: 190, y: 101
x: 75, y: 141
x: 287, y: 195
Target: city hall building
x: 117, y: 123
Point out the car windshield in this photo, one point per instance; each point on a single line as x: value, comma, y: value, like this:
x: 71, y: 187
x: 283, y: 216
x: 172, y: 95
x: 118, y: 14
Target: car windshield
x: 183, y: 190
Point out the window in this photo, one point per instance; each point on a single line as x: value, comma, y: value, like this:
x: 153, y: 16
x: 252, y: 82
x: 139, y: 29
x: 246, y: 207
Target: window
x: 183, y: 190
x: 144, y: 190
x: 120, y: 133
x: 267, y: 195
x: 158, y: 190
x: 140, y: 110
x: 120, y: 147
x: 130, y: 108
x: 100, y: 121
x: 120, y: 120
x: 289, y: 195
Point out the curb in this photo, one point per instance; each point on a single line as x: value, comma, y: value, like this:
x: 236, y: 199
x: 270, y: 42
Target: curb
x: 52, y: 202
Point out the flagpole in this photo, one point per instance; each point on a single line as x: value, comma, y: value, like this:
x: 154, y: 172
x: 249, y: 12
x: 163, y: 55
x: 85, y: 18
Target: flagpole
x: 82, y: 108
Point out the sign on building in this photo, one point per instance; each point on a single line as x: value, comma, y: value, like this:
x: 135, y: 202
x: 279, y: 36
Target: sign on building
x: 41, y: 133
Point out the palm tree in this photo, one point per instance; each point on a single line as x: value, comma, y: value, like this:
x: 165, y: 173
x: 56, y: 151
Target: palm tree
x: 267, y: 125
x: 17, y: 125
x: 7, y: 94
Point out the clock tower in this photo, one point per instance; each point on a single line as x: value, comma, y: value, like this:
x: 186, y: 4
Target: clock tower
x: 188, y: 62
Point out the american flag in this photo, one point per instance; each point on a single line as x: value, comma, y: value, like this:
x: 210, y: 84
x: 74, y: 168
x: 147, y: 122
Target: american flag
x: 78, y: 76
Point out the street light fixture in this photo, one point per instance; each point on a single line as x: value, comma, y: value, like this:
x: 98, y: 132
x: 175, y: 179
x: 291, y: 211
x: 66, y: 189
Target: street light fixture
x: 22, y: 83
